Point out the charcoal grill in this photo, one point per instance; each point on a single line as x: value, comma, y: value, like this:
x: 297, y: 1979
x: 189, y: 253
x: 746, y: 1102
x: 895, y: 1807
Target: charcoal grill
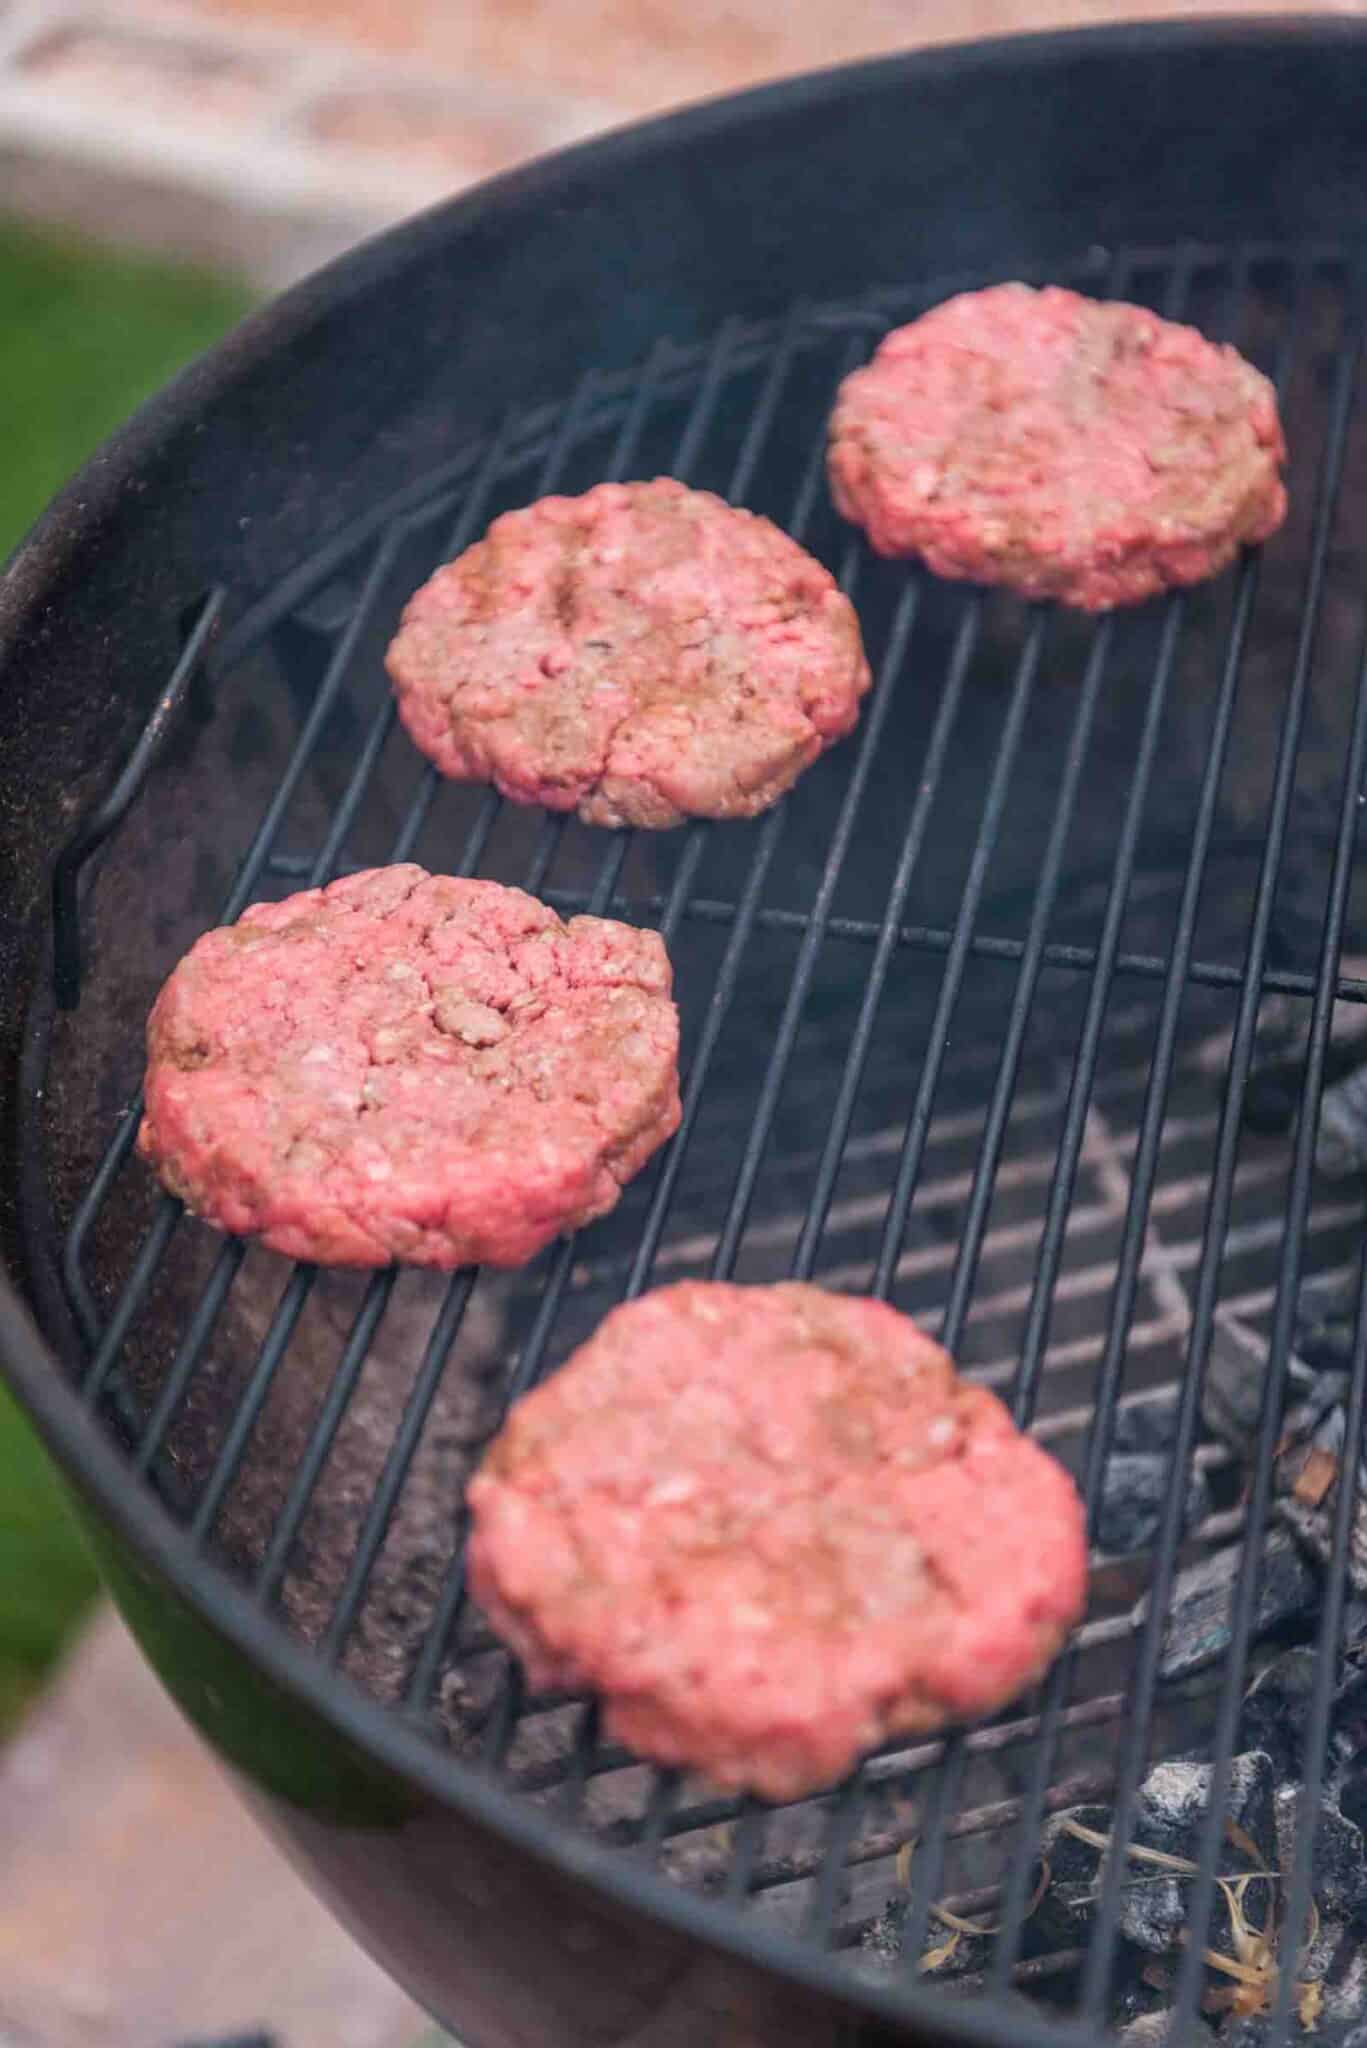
x: 969, y: 1019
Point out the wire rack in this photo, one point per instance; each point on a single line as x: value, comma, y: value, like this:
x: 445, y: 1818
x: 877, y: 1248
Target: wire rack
x: 943, y: 1016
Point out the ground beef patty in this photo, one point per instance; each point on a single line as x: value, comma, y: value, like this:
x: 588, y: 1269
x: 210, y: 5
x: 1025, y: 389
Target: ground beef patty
x: 1066, y: 448
x: 640, y: 655
x: 407, y: 1066
x: 769, y: 1526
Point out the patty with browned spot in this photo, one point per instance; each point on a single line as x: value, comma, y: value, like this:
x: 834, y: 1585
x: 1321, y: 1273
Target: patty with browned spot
x: 640, y: 655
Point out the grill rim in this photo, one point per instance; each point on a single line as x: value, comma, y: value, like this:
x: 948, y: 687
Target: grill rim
x: 75, y: 1438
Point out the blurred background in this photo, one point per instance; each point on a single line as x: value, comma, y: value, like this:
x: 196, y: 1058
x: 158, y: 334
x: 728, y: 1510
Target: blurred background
x: 162, y: 167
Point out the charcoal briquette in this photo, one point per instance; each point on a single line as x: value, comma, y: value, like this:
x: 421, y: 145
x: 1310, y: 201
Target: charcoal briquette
x: 1197, y: 1629
x: 1147, y: 1425
x: 1133, y: 1491
x: 1338, y: 1880
x: 1169, y: 1817
x: 1232, y: 1391
x: 1341, y: 1146
x: 1277, y: 1707
x: 1062, y: 1917
x: 1326, y: 1311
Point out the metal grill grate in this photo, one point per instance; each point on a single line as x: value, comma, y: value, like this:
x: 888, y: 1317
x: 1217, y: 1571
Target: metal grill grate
x: 944, y: 1013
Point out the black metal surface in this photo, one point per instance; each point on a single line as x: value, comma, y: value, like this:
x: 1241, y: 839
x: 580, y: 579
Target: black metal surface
x: 941, y: 1010
x: 785, y: 377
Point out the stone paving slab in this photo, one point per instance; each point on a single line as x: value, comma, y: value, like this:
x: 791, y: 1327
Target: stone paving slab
x: 140, y: 1905
x: 272, y: 149
x: 271, y: 134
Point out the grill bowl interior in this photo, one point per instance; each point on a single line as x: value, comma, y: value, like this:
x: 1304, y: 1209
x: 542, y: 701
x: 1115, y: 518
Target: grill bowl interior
x: 968, y: 1020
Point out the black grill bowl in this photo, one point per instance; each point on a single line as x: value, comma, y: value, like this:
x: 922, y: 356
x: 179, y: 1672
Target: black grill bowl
x: 968, y: 1021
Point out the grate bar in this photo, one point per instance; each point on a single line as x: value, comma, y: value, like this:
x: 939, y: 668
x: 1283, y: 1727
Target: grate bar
x: 929, y: 1862
x: 198, y: 1331
x: 974, y: 1225
x: 287, y: 1314
x: 856, y: 1210
x: 1007, y: 1946
x: 205, y: 1315
x: 920, y: 938
x: 722, y: 997
x: 829, y: 1866
x: 994, y: 1129
x: 400, y: 1457
x: 248, y: 873
x: 1099, y: 1963
x: 834, y: 1151
x: 1328, y: 1662
x: 323, y: 1434
x: 664, y: 1791
x: 109, y: 813
x: 1336, y: 1577
x: 776, y: 1068
x: 994, y: 806
x: 354, y: 1356
x: 1097, y: 1279
x: 891, y: 1763
x: 1026, y: 1142
x: 884, y: 1843
x: 451, y: 1598
x: 577, y: 1777
x: 1303, y: 1156
x: 167, y: 1215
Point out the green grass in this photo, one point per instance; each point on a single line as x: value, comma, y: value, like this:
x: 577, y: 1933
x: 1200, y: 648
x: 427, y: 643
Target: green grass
x: 84, y: 337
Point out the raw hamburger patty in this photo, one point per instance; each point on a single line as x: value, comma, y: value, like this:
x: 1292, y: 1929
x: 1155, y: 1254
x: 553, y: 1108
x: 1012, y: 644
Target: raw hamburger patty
x: 1093, y: 453
x: 770, y: 1527
x: 640, y: 655
x: 407, y: 1066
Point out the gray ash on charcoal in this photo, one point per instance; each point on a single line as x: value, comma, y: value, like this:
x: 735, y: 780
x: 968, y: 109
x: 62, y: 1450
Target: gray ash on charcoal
x: 1146, y: 1994
x: 1150, y: 2030
x: 880, y: 1945
x: 1170, y: 1817
x: 948, y: 1954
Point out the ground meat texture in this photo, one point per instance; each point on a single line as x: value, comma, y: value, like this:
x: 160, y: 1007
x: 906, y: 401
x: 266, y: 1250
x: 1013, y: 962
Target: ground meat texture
x: 407, y: 1066
x: 770, y: 1527
x: 640, y: 655
x: 1088, y: 452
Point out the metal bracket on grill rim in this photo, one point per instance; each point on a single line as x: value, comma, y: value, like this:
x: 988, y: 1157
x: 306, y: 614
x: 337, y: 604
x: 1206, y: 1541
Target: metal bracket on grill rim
x: 91, y: 834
